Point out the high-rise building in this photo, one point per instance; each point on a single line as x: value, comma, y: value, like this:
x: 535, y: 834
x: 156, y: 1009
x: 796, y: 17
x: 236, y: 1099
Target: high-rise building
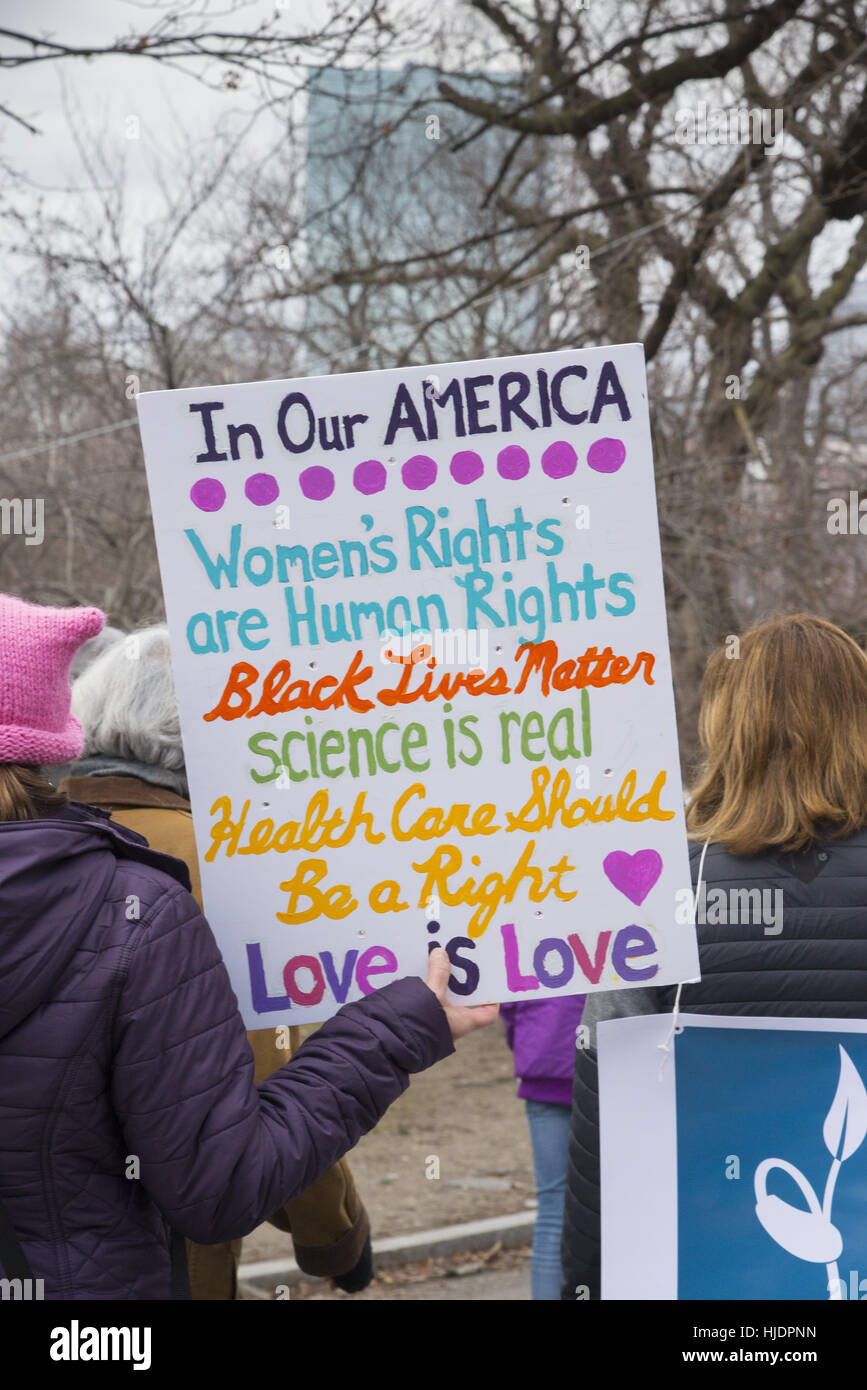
x: 396, y: 219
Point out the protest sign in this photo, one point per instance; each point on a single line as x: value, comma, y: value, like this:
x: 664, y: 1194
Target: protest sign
x: 753, y: 1158
x: 420, y: 648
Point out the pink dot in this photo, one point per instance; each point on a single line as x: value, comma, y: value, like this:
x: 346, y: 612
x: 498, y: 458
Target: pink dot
x: 606, y: 455
x: 466, y: 466
x: 419, y: 472
x: 208, y: 494
x: 513, y: 462
x: 317, y: 483
x: 261, y: 489
x: 369, y: 477
x: 559, y: 460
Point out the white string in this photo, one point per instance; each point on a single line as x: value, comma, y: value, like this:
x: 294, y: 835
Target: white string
x: 354, y: 351
x: 665, y: 1047
x: 67, y: 439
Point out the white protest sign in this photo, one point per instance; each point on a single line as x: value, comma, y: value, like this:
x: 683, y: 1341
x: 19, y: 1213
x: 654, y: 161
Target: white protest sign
x: 419, y: 642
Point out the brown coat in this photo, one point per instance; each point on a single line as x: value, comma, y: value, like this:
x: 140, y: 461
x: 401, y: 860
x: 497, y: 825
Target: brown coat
x: 328, y: 1222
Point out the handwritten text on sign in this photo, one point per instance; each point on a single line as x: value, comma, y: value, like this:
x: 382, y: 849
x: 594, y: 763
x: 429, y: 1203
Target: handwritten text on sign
x: 419, y: 642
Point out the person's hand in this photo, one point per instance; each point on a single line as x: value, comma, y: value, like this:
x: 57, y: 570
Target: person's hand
x: 462, y: 1019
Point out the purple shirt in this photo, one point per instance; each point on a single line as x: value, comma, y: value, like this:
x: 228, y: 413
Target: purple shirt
x: 541, y: 1033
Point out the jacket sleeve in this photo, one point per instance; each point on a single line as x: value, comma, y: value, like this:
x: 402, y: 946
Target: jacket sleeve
x: 217, y: 1155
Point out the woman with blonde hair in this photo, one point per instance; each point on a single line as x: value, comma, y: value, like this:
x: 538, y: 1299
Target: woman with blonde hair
x: 783, y: 727
x: 778, y: 820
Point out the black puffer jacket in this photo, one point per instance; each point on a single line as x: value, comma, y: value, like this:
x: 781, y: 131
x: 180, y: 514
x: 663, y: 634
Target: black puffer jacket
x: 811, y: 962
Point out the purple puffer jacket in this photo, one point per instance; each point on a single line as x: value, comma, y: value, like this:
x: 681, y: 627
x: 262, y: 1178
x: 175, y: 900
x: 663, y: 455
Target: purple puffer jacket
x: 120, y: 1038
x: 542, y: 1036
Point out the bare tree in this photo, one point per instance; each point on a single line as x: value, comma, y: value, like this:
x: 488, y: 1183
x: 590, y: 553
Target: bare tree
x: 111, y: 302
x: 689, y: 175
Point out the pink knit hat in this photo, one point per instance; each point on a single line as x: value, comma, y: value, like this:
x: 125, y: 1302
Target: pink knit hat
x: 36, y: 648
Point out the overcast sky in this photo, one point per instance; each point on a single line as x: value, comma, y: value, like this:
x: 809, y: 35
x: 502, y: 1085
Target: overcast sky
x: 105, y: 92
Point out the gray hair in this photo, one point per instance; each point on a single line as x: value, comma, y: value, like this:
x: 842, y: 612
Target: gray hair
x: 126, y: 702
x: 93, y: 647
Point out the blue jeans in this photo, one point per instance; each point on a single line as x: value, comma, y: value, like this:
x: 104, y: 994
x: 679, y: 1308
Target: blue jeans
x: 549, y: 1134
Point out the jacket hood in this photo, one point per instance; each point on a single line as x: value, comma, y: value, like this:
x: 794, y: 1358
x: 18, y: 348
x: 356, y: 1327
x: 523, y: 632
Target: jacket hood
x: 54, y: 876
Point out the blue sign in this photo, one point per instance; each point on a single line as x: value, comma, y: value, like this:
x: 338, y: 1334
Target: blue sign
x: 771, y: 1164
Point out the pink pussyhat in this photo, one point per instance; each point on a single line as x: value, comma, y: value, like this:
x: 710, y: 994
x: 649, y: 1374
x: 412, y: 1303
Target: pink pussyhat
x: 36, y: 649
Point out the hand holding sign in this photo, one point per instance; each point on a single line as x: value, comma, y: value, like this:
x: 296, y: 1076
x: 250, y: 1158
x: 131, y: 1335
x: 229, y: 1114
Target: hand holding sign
x: 462, y: 1020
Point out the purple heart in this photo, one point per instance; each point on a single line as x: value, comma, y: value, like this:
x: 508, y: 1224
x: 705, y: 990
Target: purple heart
x: 633, y: 874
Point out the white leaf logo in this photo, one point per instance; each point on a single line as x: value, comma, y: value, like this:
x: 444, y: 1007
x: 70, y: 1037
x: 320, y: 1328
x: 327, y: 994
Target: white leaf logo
x: 807, y: 1235
x: 846, y: 1122
x: 811, y: 1235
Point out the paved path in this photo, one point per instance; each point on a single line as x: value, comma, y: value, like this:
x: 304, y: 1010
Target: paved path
x: 456, y: 1278
x: 493, y: 1286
